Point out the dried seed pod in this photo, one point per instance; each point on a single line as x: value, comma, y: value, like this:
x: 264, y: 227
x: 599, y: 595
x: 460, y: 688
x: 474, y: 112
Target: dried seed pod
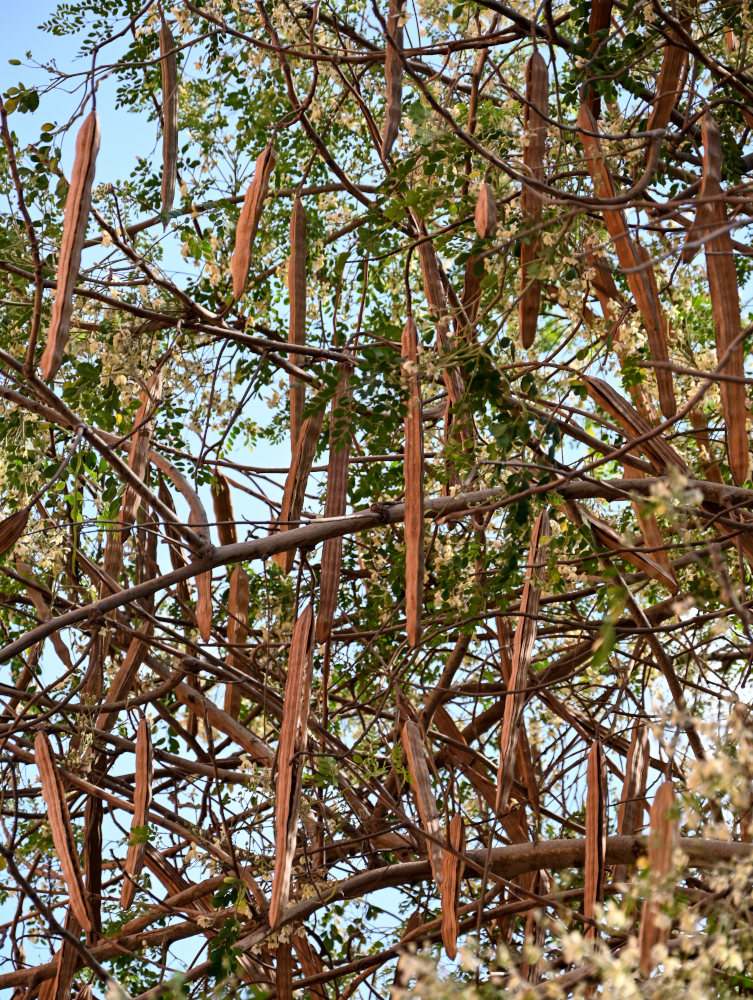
x: 67, y: 960
x: 124, y: 677
x: 77, y: 205
x: 248, y: 221
x: 295, y: 483
x: 661, y: 842
x: 534, y: 151
x: 607, y: 537
x: 142, y: 800
x: 633, y: 259
x: 661, y: 454
x: 525, y: 636
x: 451, y: 866
x: 137, y: 461
x: 310, y: 962
x: 60, y: 826
x: 725, y: 303
x: 425, y: 799
x: 169, y: 67
x: 596, y: 832
x: 599, y: 21
x: 334, y: 506
x: 237, y: 630
x: 284, y: 971
x: 413, y: 472
x: 393, y: 72
x: 669, y: 87
x: 630, y: 813
x: 223, y: 510
x: 289, y: 759
x: 297, y: 294
x: 485, y: 214
x: 12, y: 528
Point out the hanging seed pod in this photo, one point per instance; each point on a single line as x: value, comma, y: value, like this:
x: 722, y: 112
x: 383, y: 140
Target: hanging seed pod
x: 295, y: 483
x: 633, y: 259
x: 661, y: 843
x: 67, y: 959
x: 599, y: 21
x: 608, y: 538
x: 534, y: 152
x: 142, y: 800
x: 630, y: 814
x: 413, y: 471
x: 169, y: 67
x: 60, y: 827
x: 310, y: 962
x: 77, y: 205
x: 596, y: 833
x: 393, y: 72
x: 237, y: 630
x: 451, y: 874
x: 223, y: 510
x: 249, y: 219
x: 525, y: 636
x: 669, y: 88
x: 297, y: 294
x: 122, y: 682
x: 334, y: 506
x: 485, y: 214
x: 289, y: 759
x: 12, y: 528
x: 425, y: 799
x: 725, y: 302
x: 137, y: 461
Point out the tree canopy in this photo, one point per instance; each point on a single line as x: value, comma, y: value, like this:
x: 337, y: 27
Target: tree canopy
x: 376, y: 527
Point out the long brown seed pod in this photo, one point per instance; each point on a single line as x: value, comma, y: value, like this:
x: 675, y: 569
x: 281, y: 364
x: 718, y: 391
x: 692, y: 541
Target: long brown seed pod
x: 725, y: 302
x: 248, y: 221
x: 237, y: 630
x: 630, y: 813
x: 606, y: 536
x: 68, y: 961
x: 534, y: 151
x: 596, y: 832
x: 485, y: 214
x: 661, y: 843
x: 12, y: 528
x: 451, y: 866
x: 75, y: 220
x: 295, y: 483
x: 137, y: 461
x: 393, y: 73
x: 124, y: 677
x: 223, y: 510
x: 669, y: 88
x: 169, y: 67
x: 60, y: 826
x: 290, y: 760
x: 633, y: 259
x: 334, y: 506
x: 142, y: 800
x: 600, y: 20
x: 413, y: 472
x: 297, y: 295
x: 525, y: 636
x: 425, y: 800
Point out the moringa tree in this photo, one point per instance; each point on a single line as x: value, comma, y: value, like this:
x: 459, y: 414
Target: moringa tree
x: 377, y: 520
